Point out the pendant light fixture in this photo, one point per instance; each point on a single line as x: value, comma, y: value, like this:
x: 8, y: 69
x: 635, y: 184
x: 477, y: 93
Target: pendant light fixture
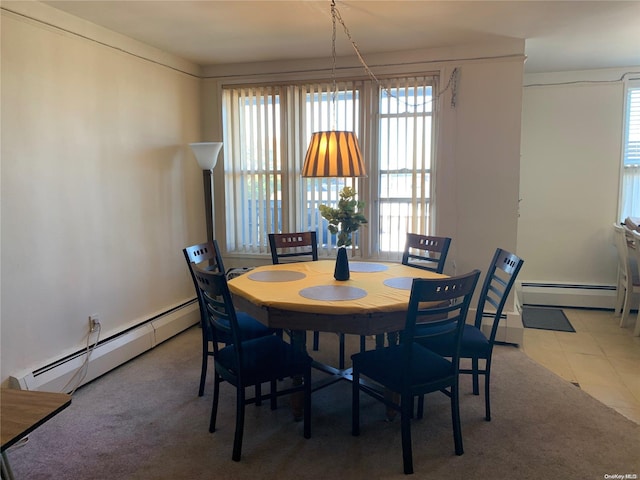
x: 333, y: 153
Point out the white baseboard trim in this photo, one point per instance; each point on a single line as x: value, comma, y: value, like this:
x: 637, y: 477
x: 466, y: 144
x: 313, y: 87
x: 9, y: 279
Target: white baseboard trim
x: 567, y: 295
x: 109, y: 353
x: 510, y: 329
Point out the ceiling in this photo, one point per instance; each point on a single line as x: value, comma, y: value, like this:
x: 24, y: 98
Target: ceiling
x: 560, y: 36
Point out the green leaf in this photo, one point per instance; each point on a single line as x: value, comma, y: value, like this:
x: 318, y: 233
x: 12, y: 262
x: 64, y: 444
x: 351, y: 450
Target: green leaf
x: 346, y: 218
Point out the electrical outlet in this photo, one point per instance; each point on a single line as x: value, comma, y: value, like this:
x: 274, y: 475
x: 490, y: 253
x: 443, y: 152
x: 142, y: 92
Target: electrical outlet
x: 94, y: 323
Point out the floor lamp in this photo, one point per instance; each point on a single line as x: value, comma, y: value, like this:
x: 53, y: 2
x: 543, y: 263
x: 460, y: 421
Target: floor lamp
x: 207, y: 156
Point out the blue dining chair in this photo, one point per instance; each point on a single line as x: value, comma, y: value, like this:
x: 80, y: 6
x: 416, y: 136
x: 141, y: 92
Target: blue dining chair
x: 426, y: 252
x: 408, y: 368
x: 501, y: 276
x: 208, y: 256
x: 249, y: 362
x: 291, y: 247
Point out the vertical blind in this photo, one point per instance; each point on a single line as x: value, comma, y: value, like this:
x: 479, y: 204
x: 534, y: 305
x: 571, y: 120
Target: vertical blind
x: 630, y: 195
x: 253, y: 166
x: 266, y: 132
x: 405, y: 160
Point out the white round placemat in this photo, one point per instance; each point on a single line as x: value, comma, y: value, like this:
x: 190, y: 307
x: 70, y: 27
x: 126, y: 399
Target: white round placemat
x: 403, y: 283
x: 367, y: 267
x: 276, y: 276
x: 333, y: 293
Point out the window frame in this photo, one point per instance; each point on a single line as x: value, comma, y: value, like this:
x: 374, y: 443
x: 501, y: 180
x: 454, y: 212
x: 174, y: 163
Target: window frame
x: 630, y: 158
x: 368, y: 134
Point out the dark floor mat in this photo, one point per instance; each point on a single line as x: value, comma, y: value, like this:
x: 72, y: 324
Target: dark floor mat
x: 546, y: 319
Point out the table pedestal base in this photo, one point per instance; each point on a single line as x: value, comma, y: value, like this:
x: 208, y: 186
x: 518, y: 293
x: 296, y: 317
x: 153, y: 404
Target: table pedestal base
x: 298, y: 339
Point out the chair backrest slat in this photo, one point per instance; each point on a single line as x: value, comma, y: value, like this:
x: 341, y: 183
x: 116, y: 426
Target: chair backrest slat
x: 426, y: 252
x: 452, y: 297
x: 197, y: 255
x: 501, y: 276
x: 291, y: 246
x: 636, y: 249
x: 624, y: 262
x: 495, y: 302
x: 218, y: 306
x: 205, y: 252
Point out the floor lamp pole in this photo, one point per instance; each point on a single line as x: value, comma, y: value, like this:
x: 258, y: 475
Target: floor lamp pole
x: 208, y: 204
x: 207, y: 156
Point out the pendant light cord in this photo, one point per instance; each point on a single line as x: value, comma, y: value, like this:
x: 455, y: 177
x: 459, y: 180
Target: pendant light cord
x: 335, y: 15
x: 334, y: 85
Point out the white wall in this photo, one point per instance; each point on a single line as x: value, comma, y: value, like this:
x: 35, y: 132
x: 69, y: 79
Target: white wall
x: 478, y: 171
x: 99, y: 191
x: 570, y: 169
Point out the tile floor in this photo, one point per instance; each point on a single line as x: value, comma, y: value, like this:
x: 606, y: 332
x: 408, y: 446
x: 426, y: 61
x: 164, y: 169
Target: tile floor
x: 600, y: 357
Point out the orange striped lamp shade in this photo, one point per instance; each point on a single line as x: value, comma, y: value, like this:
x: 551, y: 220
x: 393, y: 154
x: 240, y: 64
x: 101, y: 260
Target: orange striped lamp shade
x: 333, y: 154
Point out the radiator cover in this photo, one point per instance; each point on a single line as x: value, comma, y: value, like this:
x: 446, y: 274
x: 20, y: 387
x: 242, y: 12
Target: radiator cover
x: 568, y: 295
x: 111, y: 352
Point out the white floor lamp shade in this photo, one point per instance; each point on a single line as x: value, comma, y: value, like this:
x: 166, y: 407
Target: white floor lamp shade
x: 206, y: 154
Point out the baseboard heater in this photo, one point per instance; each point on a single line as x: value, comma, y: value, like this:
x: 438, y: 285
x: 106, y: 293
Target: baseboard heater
x: 510, y: 329
x: 110, y: 352
x: 568, y: 295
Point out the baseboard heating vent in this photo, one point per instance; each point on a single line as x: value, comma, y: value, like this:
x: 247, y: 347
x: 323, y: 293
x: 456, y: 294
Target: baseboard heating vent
x: 568, y: 295
x: 510, y: 328
x: 110, y: 352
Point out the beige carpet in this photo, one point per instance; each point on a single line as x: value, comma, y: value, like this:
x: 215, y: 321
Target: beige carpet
x: 145, y: 421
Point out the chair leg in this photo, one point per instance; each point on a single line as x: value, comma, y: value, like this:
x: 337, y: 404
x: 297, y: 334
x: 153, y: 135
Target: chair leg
x: 237, y: 439
x: 487, y: 399
x: 274, y: 394
x: 341, y: 351
x: 307, y: 406
x: 406, y: 407
x: 316, y: 341
x: 355, y: 404
x: 420, y: 412
x: 487, y: 390
x: 214, y: 404
x: 258, y: 388
x: 626, y: 309
x: 474, y: 374
x: 205, y: 361
x: 363, y: 343
x: 455, y: 415
x: 619, y: 298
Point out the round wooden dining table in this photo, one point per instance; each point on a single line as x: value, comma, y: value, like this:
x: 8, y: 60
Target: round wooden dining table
x: 304, y: 296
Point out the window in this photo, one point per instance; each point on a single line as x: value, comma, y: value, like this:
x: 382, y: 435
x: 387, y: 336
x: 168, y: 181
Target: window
x: 266, y: 132
x: 405, y: 162
x: 630, y: 194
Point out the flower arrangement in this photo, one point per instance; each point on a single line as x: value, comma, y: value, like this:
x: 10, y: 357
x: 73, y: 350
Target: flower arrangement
x: 346, y: 218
